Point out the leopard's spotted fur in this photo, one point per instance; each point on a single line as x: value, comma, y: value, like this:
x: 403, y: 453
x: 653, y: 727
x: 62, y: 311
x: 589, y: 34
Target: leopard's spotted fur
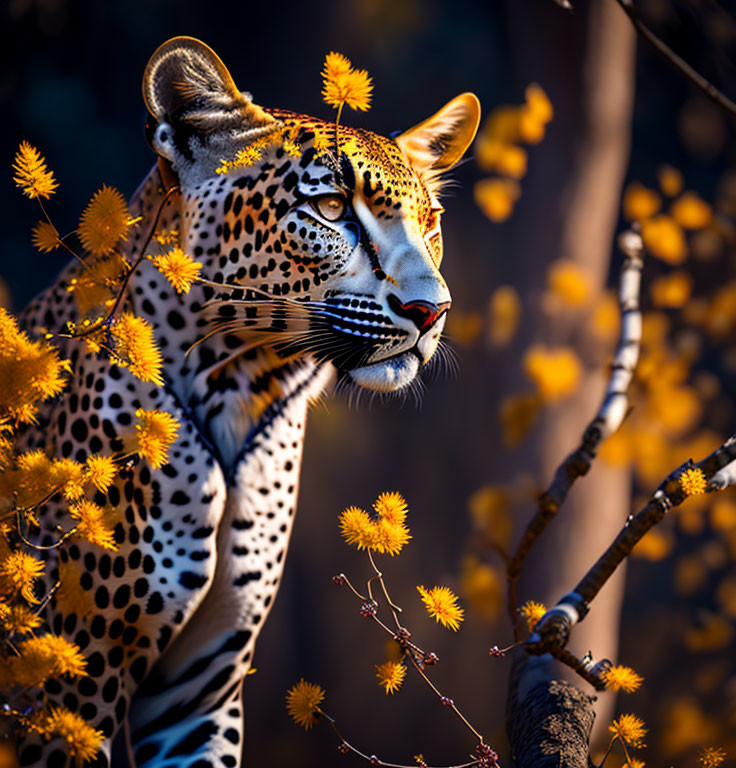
x: 303, y: 299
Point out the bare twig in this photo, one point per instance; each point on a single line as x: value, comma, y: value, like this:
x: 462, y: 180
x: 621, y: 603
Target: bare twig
x: 676, y: 61
x: 608, y: 419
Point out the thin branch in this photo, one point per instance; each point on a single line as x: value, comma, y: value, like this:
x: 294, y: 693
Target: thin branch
x: 609, y: 418
x: 552, y: 631
x: 676, y: 61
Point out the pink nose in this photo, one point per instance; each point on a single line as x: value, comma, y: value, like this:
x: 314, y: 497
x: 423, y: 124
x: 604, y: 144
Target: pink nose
x: 423, y: 314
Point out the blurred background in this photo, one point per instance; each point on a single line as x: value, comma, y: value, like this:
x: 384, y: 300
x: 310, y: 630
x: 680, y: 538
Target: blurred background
x: 530, y: 258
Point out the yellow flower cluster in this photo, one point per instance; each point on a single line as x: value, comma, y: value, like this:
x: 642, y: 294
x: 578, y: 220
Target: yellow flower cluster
x: 499, y: 151
x: 302, y: 703
x: 556, y: 372
x: 664, y: 232
x: 384, y: 532
x: 82, y: 740
x: 341, y: 84
x: 711, y: 757
x: 441, y: 604
x: 41, y: 658
x: 693, y: 482
x: 30, y: 371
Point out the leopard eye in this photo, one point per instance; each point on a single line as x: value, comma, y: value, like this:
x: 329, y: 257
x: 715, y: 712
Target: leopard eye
x: 330, y: 207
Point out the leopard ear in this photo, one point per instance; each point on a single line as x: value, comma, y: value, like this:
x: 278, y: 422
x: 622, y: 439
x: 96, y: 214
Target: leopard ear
x: 185, y: 82
x: 441, y: 140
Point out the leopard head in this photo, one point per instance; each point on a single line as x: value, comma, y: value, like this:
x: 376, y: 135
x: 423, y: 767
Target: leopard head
x: 315, y: 239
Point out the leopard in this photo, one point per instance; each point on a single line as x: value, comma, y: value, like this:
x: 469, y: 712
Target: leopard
x: 320, y: 249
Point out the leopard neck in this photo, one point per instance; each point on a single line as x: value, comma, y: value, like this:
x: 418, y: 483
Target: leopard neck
x: 231, y: 393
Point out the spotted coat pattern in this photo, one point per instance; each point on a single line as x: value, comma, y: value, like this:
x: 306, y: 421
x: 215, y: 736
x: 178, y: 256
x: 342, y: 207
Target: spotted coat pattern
x: 292, y: 301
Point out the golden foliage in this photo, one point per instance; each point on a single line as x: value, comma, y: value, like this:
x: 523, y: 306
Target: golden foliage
x: 302, y: 703
x: 670, y: 180
x: 344, y: 85
x: 569, y: 284
x: 91, y: 523
x: 99, y: 282
x: 29, y: 370
x: 640, y: 203
x: 504, y: 312
x: 497, y: 197
x: 482, y: 586
x: 672, y: 291
x: 101, y: 471
x: 556, y: 371
x: 45, y: 237
x: 663, y: 237
x: 31, y: 173
x: 105, y: 221
x: 691, y: 212
x: 441, y: 604
x: 41, y: 658
x: 518, y: 414
x: 18, y: 574
x: 711, y: 757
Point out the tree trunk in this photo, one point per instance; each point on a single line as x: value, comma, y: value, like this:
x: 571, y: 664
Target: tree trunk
x: 569, y: 210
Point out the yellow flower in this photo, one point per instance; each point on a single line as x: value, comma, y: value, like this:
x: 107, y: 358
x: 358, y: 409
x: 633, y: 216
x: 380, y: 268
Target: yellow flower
x: 634, y: 763
x: 19, y: 618
x: 32, y: 175
x: 506, y: 159
x: 555, y: 372
x: 29, y: 371
x: 711, y: 757
x: 619, y: 678
x: 670, y: 180
x: 136, y: 347
x: 504, y: 311
x: 569, y: 283
x: 392, y: 507
x: 18, y: 573
x: 344, y: 85
x: 70, y: 597
x: 663, y: 237
x: 101, y: 471
x: 45, y: 237
x: 99, y: 282
x: 640, y: 203
x: 155, y: 433
x: 672, y: 291
x: 693, y: 482
x: 441, y: 604
x: 606, y: 318
x: 390, y: 675
x: 83, y: 740
x: 390, y: 538
x: 68, y: 476
x: 497, y: 197
x: 357, y: 527
x: 178, y: 269
x: 532, y: 612
x: 44, y: 657
x: 691, y: 212
x: 91, y: 525
x: 630, y: 729
x: 539, y: 103
x: 302, y: 703
x: 104, y: 221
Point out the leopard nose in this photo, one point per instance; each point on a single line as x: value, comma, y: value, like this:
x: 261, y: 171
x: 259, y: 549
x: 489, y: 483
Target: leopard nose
x: 423, y: 314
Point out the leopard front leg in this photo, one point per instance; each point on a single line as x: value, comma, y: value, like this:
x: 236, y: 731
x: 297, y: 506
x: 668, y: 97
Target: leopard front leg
x: 188, y: 713
x: 142, y: 595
